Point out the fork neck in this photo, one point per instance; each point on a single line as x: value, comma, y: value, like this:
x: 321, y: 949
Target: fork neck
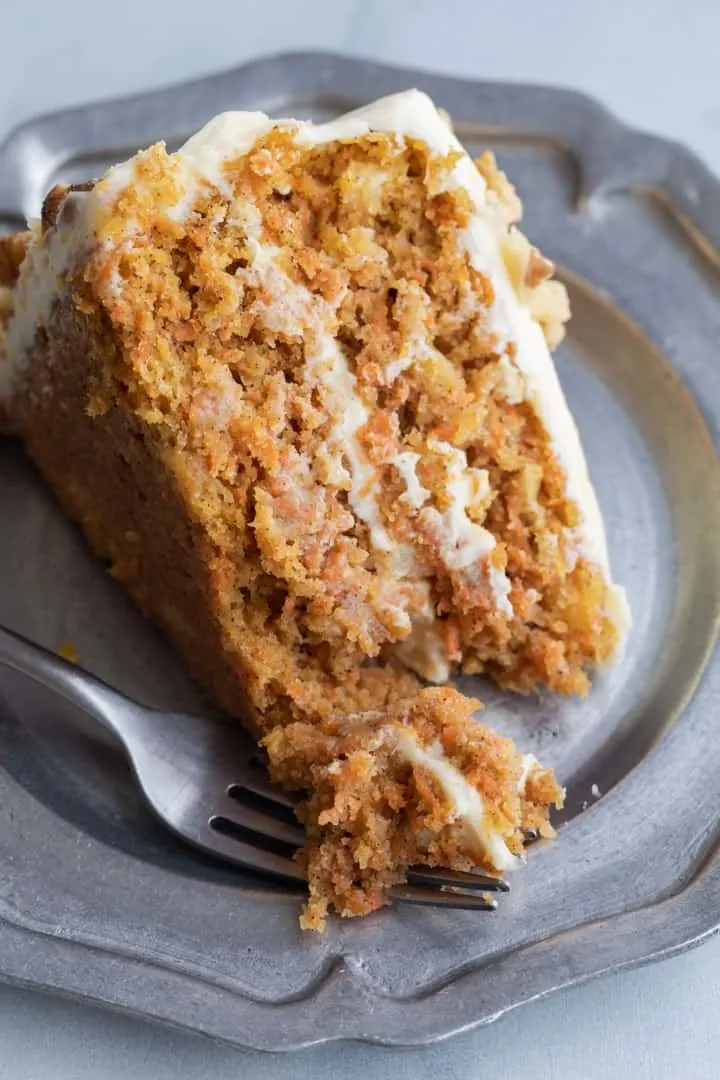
x: 93, y: 696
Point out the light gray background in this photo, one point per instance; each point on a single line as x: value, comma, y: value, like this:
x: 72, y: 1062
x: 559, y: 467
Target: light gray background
x: 656, y: 63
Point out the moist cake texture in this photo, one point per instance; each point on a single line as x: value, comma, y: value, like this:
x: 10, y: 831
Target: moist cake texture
x: 419, y: 783
x: 295, y: 384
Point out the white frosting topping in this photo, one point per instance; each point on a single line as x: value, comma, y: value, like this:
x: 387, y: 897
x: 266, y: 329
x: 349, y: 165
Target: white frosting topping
x: 529, y: 764
x: 396, y: 367
x: 331, y: 369
x: 467, y: 802
x: 501, y: 586
x: 424, y: 650
x: 463, y: 541
x: 225, y: 137
x: 512, y: 387
x: 415, y: 494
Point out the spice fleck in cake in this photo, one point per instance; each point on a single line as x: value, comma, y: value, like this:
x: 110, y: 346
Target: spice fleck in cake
x: 295, y: 384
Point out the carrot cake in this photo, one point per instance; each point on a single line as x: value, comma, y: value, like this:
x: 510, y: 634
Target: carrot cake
x: 294, y: 382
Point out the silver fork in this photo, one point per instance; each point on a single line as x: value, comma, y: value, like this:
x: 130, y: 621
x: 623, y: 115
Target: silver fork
x: 206, y: 782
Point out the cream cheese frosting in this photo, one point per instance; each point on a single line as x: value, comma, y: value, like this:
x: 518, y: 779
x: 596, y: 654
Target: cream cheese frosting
x: 468, y: 805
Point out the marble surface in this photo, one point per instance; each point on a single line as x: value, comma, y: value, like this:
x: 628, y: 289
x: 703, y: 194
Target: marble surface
x: 655, y: 63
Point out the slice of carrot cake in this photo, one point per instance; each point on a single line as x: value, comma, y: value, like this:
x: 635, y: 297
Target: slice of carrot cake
x: 294, y: 382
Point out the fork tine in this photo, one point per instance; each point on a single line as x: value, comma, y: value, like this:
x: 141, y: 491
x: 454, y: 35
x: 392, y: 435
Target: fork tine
x: 425, y: 885
x: 261, y: 861
x: 247, y: 817
x: 425, y: 875
x: 266, y: 824
x: 416, y: 894
x: 248, y: 855
x: 264, y: 790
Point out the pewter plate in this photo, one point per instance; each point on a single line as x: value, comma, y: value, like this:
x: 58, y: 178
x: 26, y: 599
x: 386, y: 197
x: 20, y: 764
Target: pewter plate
x: 97, y: 901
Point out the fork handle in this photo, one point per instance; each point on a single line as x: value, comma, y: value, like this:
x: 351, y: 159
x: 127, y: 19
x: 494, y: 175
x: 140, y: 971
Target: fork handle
x: 72, y: 683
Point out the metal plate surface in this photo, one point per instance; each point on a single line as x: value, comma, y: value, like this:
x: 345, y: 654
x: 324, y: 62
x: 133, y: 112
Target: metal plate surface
x: 97, y: 901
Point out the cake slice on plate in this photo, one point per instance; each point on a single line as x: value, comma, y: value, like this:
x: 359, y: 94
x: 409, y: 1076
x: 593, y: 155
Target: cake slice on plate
x: 295, y: 384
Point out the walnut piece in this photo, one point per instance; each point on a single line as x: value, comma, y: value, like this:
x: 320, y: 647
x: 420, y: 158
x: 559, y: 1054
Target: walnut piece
x: 550, y: 306
x: 55, y: 198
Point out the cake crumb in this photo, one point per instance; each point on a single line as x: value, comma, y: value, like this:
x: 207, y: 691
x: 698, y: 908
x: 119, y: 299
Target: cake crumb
x: 69, y: 651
